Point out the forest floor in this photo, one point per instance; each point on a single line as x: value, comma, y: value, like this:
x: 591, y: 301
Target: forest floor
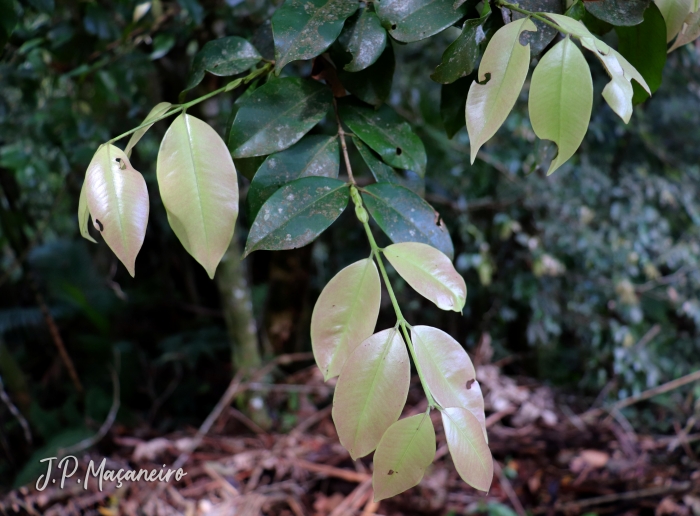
x: 548, y: 460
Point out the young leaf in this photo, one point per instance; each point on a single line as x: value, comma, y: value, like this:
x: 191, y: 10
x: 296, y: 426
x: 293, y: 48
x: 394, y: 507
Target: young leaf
x: 690, y: 31
x: 364, y: 38
x: 84, y: 215
x: 561, y: 99
x: 430, y: 273
x: 276, y: 116
x: 413, y: 20
x: 403, y: 454
x: 345, y: 315
x: 371, y: 391
x: 405, y: 217
x: 453, y: 103
x: 618, y: 12
x: 222, y: 57
x: 157, y: 111
x: 386, y: 133
x: 297, y: 213
x: 373, y: 84
x: 674, y: 13
x: 502, y: 73
x: 305, y: 28
x: 199, y: 188
x: 117, y: 199
x: 314, y: 155
x: 470, y: 453
x: 460, y: 58
x: 381, y: 172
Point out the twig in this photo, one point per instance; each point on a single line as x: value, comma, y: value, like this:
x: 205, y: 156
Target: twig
x: 331, y: 471
x: 508, y: 489
x: 241, y: 417
x: 357, y: 494
x: 661, y: 389
x: 281, y: 387
x: 343, y: 145
x: 15, y: 412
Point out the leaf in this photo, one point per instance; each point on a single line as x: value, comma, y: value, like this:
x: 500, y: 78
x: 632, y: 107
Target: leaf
x: 117, y: 199
x: 373, y: 84
x: 297, y: 213
x: 503, y: 67
x: 618, y: 12
x: 345, y: 315
x: 460, y: 58
x: 371, y: 391
x: 413, y: 20
x: 314, y: 155
x: 386, y: 133
x: 364, y: 38
x: 561, y: 99
x: 430, y: 273
x: 404, y: 453
x: 690, y: 31
x: 545, y: 34
x: 223, y: 57
x: 306, y: 28
x: 448, y: 371
x: 157, y: 111
x: 381, y: 172
x: 405, y: 217
x: 84, y: 214
x: 470, y: 453
x: 276, y: 115
x: 453, y: 104
x: 8, y: 21
x: 576, y: 11
x: 674, y: 13
x: 199, y: 188
x: 644, y: 46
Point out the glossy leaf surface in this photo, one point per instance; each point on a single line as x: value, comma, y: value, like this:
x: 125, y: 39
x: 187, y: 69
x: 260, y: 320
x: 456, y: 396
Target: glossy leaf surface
x: 345, y: 315
x: 618, y: 12
x: 460, y: 58
x: 364, y: 38
x: 371, y: 391
x: 470, y: 453
x: 84, y: 214
x: 223, y: 57
x: 413, y: 20
x: 199, y: 188
x: 382, y: 172
x: 373, y: 84
x: 674, y: 13
x: 404, y: 453
x: 157, y: 111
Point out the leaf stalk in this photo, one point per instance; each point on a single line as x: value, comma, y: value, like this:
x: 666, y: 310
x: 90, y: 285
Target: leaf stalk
x: 513, y: 7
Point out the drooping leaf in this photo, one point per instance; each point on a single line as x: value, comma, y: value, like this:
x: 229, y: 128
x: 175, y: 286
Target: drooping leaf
x: 382, y: 173
x: 297, y: 213
x: 470, y: 453
x: 405, y: 217
x: 276, y: 116
x: 430, y: 273
x: 117, y: 199
x: 364, y: 38
x: 84, y: 215
x: 373, y: 84
x: 674, y: 13
x: 157, y: 111
x: 306, y: 28
x: 618, y: 12
x: 371, y: 391
x: 223, y: 57
x: 460, y: 58
x: 387, y: 134
x: 453, y: 103
x: 413, y: 20
x: 199, y: 188
x: 644, y: 46
x: 690, y: 31
x: 561, y: 99
x: 345, y: 315
x: 539, y: 40
x: 313, y: 155
x: 403, y: 454
x: 501, y: 74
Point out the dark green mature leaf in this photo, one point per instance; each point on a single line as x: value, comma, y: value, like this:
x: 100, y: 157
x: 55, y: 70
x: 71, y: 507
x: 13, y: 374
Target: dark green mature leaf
x: 545, y: 34
x: 297, y: 213
x: 8, y: 21
x: 305, y: 28
x: 314, y: 155
x: 373, y: 84
x: 277, y: 115
x: 644, y: 46
x: 247, y: 167
x: 595, y: 25
x: 460, y: 58
x: 382, y: 173
x: 413, y: 20
x: 405, y: 217
x: 364, y: 38
x: 45, y: 6
x: 387, y: 133
x: 222, y: 57
x: 619, y: 12
x: 577, y: 10
x: 453, y: 101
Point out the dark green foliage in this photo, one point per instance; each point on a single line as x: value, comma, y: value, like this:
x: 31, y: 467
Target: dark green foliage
x: 223, y: 57
x: 619, y: 12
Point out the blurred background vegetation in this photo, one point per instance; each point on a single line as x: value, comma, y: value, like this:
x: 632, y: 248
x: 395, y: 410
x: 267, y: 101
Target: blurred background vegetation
x: 588, y: 280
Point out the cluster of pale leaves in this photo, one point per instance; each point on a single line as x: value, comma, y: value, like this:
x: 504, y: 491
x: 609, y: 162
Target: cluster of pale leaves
x: 561, y: 90
x: 374, y: 371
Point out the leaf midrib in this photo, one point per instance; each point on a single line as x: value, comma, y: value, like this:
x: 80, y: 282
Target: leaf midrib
x: 408, y: 222
x: 469, y: 441
x: 443, y: 380
x: 117, y: 198
x: 413, y: 437
x: 432, y: 279
x: 196, y: 179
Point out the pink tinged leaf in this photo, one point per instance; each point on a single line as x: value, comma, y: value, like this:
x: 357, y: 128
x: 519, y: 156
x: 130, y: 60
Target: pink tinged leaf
x: 371, y: 391
x: 345, y: 314
x: 117, y: 199
x: 157, y: 111
x: 403, y: 454
x: 430, y: 272
x: 84, y: 215
x: 199, y: 188
x: 470, y: 453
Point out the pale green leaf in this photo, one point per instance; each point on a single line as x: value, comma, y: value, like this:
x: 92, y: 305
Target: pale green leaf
x: 345, y: 315
x: 469, y: 450
x: 199, y: 188
x: 561, y: 99
x: 674, y: 13
x: 157, y: 111
x: 690, y: 31
x: 84, y: 215
x: 430, y: 272
x: 403, y: 454
x: 117, y: 199
x: 502, y: 73
x: 371, y: 391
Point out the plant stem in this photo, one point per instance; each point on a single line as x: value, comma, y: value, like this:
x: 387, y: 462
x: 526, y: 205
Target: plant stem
x: 544, y: 20
x: 341, y: 134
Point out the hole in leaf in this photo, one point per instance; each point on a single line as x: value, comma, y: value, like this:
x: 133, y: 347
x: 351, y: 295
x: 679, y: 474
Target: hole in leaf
x: 391, y: 472
x: 469, y: 383
x: 100, y: 227
x: 487, y: 78
x: 393, y: 26
x: 399, y: 151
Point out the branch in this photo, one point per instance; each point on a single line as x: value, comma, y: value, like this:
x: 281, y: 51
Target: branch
x: 341, y: 134
x: 15, y: 412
